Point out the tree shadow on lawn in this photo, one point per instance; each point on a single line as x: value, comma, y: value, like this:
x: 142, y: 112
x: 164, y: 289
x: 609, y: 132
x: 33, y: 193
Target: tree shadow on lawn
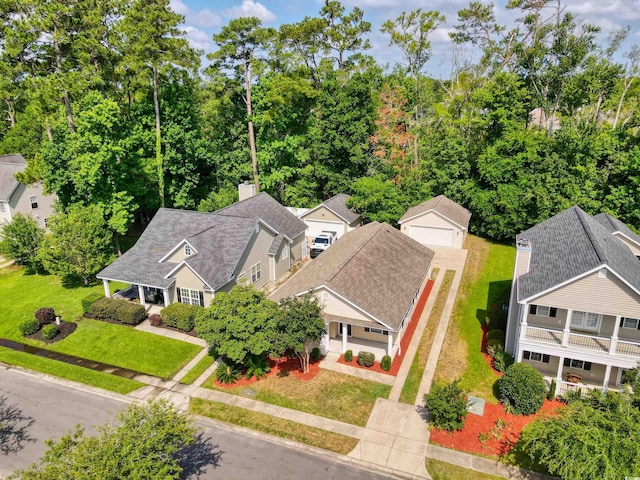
x: 14, y: 428
x: 494, y: 316
x: 195, y: 459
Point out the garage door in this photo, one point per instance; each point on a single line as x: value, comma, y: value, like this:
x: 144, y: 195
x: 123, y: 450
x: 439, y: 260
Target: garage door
x: 432, y: 236
x: 314, y: 227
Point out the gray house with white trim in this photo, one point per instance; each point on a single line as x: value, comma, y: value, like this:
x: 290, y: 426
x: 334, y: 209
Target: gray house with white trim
x: 574, y: 312
x: 186, y: 256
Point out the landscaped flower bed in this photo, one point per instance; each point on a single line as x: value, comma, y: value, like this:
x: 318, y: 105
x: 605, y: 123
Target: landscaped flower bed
x: 281, y: 367
x: 494, y: 433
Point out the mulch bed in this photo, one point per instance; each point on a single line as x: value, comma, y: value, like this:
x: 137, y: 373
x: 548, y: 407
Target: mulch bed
x: 281, y: 367
x: 406, y: 338
x: 65, y: 328
x: 482, y: 434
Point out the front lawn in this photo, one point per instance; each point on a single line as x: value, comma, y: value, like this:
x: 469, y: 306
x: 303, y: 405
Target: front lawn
x: 484, y: 288
x: 446, y: 471
x: 104, y: 342
x: 328, y: 394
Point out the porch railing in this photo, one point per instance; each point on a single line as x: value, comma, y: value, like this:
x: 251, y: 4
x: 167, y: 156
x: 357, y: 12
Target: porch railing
x: 544, y: 335
x: 589, y: 342
x: 566, y: 387
x: 630, y: 349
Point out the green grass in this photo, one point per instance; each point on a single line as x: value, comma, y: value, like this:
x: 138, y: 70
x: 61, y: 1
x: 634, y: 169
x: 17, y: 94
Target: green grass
x: 484, y: 287
x: 278, y: 427
x: 445, y: 471
x: 104, y: 342
x: 414, y: 377
x: 328, y: 394
x: 198, y: 370
x: 70, y: 372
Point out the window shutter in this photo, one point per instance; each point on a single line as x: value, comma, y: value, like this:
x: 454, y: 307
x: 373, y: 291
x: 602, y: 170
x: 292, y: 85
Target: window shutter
x: 553, y: 312
x: 545, y: 358
x: 587, y: 365
x: 179, y: 295
x: 533, y: 309
x: 621, y: 321
x: 567, y: 362
x: 526, y: 355
x: 638, y: 325
x: 201, y: 298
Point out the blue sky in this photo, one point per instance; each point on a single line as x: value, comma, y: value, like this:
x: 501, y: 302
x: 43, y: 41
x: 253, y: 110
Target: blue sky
x: 203, y: 18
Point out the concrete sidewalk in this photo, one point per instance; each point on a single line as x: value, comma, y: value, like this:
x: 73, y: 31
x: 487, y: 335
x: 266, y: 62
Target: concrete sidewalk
x: 165, y: 332
x: 330, y: 362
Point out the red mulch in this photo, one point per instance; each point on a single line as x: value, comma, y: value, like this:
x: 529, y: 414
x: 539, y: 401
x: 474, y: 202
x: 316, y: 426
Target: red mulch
x: 281, y: 367
x: 499, y: 441
x: 406, y: 338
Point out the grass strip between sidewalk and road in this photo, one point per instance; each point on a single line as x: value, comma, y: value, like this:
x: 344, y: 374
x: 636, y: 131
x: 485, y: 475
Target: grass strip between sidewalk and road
x: 70, y: 372
x: 197, y: 370
x: 446, y: 471
x: 275, y: 426
x: 414, y: 378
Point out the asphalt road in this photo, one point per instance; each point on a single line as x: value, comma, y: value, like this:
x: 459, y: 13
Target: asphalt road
x: 38, y: 409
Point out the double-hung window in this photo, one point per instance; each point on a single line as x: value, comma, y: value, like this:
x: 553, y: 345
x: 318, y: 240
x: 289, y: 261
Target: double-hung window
x: 630, y: 323
x: 190, y: 297
x: 579, y: 364
x: 3, y: 207
x: 33, y: 200
x: 285, y: 251
x: 586, y: 321
x: 536, y: 357
x: 379, y: 331
x: 542, y: 311
x: 187, y: 249
x: 256, y: 272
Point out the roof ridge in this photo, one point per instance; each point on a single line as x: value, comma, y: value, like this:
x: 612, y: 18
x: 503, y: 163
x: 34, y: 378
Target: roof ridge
x: 344, y: 264
x: 583, y: 217
x: 242, y: 201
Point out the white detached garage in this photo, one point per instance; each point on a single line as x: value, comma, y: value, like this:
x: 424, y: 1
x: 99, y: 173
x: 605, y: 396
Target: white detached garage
x: 438, y: 222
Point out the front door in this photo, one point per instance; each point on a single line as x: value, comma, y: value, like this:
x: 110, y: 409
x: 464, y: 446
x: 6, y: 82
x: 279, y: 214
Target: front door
x: 348, y: 329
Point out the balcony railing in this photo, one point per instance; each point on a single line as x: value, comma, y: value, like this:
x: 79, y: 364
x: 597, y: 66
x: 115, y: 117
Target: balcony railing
x: 589, y: 342
x: 544, y: 335
x: 628, y: 349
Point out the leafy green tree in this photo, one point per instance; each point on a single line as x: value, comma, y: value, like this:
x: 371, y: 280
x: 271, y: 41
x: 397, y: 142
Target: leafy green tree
x: 344, y: 34
x: 144, y: 444
x: 300, y: 327
x: 447, y: 405
x: 217, y: 200
x: 239, y: 45
x: 239, y: 324
x: 21, y: 241
x: 378, y: 200
x: 595, y: 438
x: 79, y: 245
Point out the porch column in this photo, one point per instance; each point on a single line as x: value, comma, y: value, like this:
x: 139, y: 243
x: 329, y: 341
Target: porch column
x: 523, y: 323
x: 614, y: 337
x: 607, y: 374
x: 390, y: 344
x: 567, y: 329
x: 559, y: 373
x: 141, y: 294
x: 344, y: 337
x: 107, y: 292
x: 165, y: 295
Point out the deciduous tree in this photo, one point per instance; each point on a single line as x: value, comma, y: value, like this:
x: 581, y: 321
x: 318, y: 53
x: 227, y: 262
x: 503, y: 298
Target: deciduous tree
x: 21, y: 241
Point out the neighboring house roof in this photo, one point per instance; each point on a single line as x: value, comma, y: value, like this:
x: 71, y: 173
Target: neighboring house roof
x: 569, y: 245
x: 338, y: 205
x: 443, y: 206
x: 219, y: 239
x: 9, y: 166
x: 613, y: 225
x: 375, y: 267
x: 270, y: 211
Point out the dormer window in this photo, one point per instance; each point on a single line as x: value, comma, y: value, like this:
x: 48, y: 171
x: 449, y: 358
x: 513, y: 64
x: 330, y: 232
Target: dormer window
x: 187, y: 249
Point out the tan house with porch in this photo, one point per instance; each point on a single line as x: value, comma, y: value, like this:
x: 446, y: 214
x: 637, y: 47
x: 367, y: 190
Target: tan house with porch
x: 574, y: 312
x: 368, y: 284
x: 186, y: 256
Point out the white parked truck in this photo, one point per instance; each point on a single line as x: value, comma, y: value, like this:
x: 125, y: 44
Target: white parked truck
x: 322, y: 241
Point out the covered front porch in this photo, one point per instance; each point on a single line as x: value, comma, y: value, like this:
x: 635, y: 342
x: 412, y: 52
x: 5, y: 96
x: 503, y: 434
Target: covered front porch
x: 358, y: 335
x: 146, y: 295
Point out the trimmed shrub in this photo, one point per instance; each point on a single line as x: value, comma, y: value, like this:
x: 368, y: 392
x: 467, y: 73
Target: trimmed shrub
x: 180, y: 315
x: 227, y: 373
x: 493, y: 347
x: 155, y: 319
x: 385, y: 363
x: 496, y: 335
x: 348, y: 355
x: 49, y: 331
x: 447, y: 405
x: 29, y: 327
x: 45, y: 315
x: 257, y: 366
x: 121, y: 311
x: 90, y: 300
x: 522, y: 389
x: 551, y: 394
x: 315, y: 354
x: 366, y: 359
x: 105, y: 308
x: 502, y: 360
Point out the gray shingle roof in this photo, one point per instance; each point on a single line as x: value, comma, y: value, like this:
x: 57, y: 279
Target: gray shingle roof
x: 270, y: 211
x: 571, y: 244
x: 613, y: 225
x: 9, y: 166
x: 442, y: 205
x: 376, y: 267
x: 338, y: 205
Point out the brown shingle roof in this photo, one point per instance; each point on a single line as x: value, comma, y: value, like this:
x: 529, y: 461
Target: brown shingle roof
x: 445, y: 207
x: 374, y: 267
x: 338, y: 205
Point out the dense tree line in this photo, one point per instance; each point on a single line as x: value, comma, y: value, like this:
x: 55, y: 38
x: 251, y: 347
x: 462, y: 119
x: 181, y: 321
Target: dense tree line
x: 108, y: 103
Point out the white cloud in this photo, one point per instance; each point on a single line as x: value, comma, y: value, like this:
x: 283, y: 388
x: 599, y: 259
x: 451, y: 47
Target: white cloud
x: 204, y: 18
x: 249, y: 8
x: 199, y: 39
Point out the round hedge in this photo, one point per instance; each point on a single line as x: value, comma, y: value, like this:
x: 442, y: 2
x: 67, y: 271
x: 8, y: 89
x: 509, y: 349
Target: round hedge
x: 522, y: 389
x: 49, y: 332
x: 29, y: 327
